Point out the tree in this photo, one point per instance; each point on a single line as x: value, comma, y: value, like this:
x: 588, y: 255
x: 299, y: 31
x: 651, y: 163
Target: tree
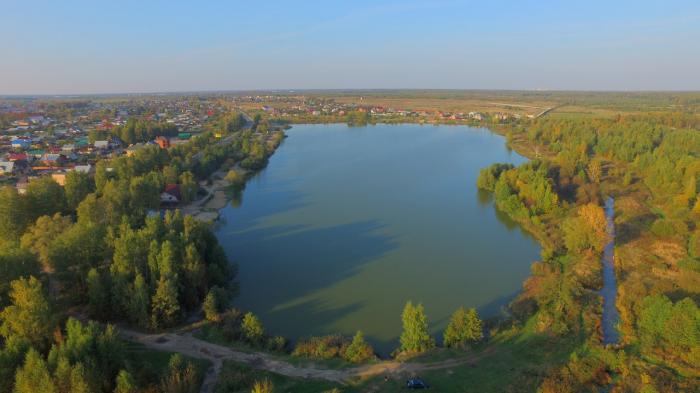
x: 181, y: 377
x: 415, y: 336
x: 78, y: 380
x: 75, y: 251
x: 188, y: 187
x: 29, y: 316
x: 464, y: 326
x: 34, y: 376
x: 139, y: 301
x: 358, y: 351
x: 211, y: 307
x: 13, y: 214
x: 45, y: 197
x: 252, y: 328
x: 588, y: 229
x: 125, y: 383
x: 15, y: 262
x: 98, y: 294
x: 39, y: 236
x: 595, y: 170
x: 164, y: 305
x: 78, y: 186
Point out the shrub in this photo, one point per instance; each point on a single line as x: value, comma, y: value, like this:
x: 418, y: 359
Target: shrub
x: 358, y: 351
x: 252, y: 328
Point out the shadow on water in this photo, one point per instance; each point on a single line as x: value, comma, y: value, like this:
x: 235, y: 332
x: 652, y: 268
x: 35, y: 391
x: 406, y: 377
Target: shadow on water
x: 339, y: 252
x: 259, y: 206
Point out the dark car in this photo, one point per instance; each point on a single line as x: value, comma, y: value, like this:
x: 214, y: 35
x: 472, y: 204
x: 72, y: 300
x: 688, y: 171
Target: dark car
x: 416, y: 383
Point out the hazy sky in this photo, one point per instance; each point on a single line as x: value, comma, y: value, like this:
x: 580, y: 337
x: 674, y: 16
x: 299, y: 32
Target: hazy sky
x: 55, y: 47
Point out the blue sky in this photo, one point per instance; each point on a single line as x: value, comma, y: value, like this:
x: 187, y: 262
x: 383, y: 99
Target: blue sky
x: 66, y: 47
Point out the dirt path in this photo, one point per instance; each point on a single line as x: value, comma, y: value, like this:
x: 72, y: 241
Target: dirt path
x: 191, y: 346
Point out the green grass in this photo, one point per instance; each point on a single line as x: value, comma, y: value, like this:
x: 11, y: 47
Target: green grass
x: 512, y: 361
x: 157, y: 361
x: 236, y: 377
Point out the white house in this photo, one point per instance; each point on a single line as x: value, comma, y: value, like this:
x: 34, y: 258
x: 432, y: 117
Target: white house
x: 7, y: 167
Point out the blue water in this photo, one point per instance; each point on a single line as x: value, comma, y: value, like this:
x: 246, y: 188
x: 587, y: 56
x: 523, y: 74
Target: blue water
x: 611, y: 316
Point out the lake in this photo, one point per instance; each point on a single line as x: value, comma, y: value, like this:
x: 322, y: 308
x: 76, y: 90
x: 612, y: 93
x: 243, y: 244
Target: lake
x: 348, y: 223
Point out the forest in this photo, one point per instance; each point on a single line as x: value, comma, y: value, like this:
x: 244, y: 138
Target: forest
x: 649, y: 164
x: 100, y: 248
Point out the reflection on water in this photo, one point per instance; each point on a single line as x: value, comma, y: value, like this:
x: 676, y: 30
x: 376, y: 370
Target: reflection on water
x: 345, y: 225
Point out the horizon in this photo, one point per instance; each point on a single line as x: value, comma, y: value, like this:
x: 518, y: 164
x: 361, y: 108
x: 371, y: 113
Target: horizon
x: 339, y: 90
x: 82, y: 48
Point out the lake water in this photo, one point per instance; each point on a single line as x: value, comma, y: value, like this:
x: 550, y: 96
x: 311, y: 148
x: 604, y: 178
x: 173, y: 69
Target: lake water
x: 348, y: 223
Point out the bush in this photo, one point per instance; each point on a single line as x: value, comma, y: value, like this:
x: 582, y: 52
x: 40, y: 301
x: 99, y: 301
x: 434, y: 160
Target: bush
x: 276, y: 343
x: 252, y: 328
x: 321, y: 347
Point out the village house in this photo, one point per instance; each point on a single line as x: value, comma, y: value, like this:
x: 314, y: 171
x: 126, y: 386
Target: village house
x: 59, y: 177
x: 7, y: 167
x: 171, y: 195
x: 163, y: 142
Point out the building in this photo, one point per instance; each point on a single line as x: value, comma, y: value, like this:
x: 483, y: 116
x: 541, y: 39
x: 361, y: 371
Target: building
x: 59, y: 177
x: 7, y: 167
x: 171, y: 195
x: 102, y: 145
x: 163, y: 142
x: 21, y: 144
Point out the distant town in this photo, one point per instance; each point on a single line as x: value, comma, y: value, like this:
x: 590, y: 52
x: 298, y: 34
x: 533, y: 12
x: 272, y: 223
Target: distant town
x: 51, y: 137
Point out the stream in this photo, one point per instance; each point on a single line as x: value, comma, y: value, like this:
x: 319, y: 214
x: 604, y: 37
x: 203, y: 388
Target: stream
x: 609, y: 291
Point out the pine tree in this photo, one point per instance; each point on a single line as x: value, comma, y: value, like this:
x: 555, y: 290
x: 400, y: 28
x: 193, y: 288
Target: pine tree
x: 34, y: 376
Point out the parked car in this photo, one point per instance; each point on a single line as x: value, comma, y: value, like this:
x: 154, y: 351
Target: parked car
x: 416, y: 383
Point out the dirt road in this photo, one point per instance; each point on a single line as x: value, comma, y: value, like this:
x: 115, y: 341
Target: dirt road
x: 194, y: 347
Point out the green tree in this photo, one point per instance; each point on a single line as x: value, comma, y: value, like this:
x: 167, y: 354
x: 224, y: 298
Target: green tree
x: 14, y: 214
x: 465, y: 326
x: 125, y: 383
x: 181, y: 377
x: 75, y: 251
x: 415, y: 336
x: 252, y: 328
x: 98, y: 294
x: 78, y: 380
x: 39, y: 236
x: 46, y: 198
x: 188, y: 187
x: 139, y: 301
x: 78, y: 186
x: 211, y: 307
x: 15, y: 262
x: 164, y: 305
x: 358, y: 351
x: 29, y: 316
x: 34, y: 376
